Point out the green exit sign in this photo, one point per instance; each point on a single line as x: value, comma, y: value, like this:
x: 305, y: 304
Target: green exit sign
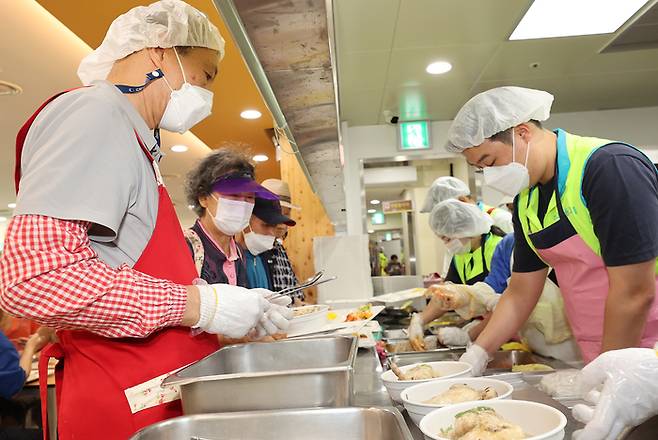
x: 415, y: 135
x: 378, y: 218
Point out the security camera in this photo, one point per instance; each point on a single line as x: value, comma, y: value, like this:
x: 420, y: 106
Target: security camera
x: 390, y: 118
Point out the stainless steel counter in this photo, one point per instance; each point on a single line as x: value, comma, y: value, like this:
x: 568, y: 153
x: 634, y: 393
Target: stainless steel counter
x: 369, y: 391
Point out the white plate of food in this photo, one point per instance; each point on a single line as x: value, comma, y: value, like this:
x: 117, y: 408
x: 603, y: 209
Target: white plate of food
x: 308, y: 318
x: 421, y: 399
x: 326, y: 320
x: 399, y: 379
x: 493, y: 420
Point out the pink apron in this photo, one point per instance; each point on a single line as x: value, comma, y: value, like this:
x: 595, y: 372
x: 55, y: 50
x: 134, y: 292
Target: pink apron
x: 583, y: 281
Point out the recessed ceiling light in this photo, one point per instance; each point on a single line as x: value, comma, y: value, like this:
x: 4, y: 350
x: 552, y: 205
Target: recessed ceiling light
x: 371, y: 231
x: 11, y: 205
x: 438, y: 67
x: 372, y: 211
x: 375, y: 202
x: 250, y: 114
x: 260, y: 158
x: 7, y: 88
x: 3, y: 219
x: 179, y: 148
x: 568, y: 18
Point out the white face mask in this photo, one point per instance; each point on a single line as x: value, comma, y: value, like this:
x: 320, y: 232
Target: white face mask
x: 187, y: 106
x: 510, y: 179
x: 457, y: 247
x: 232, y: 216
x: 258, y: 243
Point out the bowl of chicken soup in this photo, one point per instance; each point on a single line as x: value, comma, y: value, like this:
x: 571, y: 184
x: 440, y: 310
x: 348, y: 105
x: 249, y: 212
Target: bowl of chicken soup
x: 493, y: 420
x: 421, y: 399
x: 398, y: 379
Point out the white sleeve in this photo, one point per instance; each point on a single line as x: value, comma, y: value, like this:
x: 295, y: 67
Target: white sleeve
x: 78, y: 163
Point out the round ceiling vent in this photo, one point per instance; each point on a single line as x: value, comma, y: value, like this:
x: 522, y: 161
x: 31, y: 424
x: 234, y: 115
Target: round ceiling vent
x: 7, y: 88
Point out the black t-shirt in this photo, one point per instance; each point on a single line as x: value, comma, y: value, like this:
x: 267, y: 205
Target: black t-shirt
x: 620, y: 187
x: 453, y: 275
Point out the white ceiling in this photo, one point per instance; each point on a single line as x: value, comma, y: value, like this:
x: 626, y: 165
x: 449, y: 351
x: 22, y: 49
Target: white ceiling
x: 383, y: 194
x: 385, y: 45
x: 427, y: 170
x: 42, y: 58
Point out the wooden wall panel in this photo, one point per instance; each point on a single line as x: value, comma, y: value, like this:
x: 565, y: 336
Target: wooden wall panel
x: 312, y: 220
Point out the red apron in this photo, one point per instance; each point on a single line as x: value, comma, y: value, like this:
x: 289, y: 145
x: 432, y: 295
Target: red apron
x: 583, y: 280
x: 96, y: 370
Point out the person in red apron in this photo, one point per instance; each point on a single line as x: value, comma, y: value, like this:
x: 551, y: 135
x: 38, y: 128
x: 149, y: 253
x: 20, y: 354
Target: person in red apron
x: 95, y: 249
x: 587, y: 207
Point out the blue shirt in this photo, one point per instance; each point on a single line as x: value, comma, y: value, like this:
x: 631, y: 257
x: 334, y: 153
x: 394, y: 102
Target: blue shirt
x: 12, y: 376
x: 500, y: 269
x: 256, y: 272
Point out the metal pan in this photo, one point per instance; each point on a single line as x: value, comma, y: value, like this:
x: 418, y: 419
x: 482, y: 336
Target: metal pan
x: 383, y: 423
x: 300, y: 373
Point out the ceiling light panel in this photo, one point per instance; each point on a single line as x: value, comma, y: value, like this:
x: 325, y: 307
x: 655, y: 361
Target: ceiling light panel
x: 568, y: 18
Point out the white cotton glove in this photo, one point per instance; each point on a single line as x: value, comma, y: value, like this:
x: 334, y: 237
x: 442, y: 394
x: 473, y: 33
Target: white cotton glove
x: 485, y: 295
x: 623, y: 386
x: 453, y: 336
x: 477, y: 358
x: 277, y: 319
x: 229, y: 310
x: 415, y: 333
x: 273, y: 297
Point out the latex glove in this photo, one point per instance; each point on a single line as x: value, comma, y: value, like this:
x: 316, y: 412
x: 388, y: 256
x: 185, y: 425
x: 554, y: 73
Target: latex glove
x: 628, y: 397
x: 477, y: 358
x: 415, y: 333
x: 461, y: 299
x: 453, y: 336
x: 229, y: 310
x: 562, y: 384
x: 485, y: 295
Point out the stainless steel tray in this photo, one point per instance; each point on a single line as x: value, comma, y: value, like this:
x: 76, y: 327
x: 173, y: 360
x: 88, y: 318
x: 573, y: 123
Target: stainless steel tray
x: 317, y: 424
x: 301, y: 373
x: 503, y: 361
x: 440, y: 354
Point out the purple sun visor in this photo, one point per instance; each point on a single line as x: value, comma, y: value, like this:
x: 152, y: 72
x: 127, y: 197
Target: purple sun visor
x: 236, y: 183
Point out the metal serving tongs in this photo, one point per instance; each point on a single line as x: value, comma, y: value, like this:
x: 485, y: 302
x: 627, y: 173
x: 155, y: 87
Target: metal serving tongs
x: 312, y: 281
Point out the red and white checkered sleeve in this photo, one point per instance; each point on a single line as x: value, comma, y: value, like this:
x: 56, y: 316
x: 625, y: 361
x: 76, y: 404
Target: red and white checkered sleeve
x: 49, y: 273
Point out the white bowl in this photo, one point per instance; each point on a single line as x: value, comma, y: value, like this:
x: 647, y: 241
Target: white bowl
x: 446, y: 370
x: 541, y: 422
x: 413, y: 397
x: 310, y: 321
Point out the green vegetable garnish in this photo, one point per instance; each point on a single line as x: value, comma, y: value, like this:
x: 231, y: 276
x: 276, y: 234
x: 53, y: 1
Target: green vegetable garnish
x: 477, y: 409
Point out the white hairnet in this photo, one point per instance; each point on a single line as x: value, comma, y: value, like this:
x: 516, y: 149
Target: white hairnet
x: 496, y: 110
x: 165, y: 24
x: 456, y: 219
x: 444, y: 188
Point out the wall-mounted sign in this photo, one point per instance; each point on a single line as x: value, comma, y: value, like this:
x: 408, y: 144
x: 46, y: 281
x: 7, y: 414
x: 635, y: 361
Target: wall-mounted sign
x: 378, y: 218
x: 397, y: 206
x: 415, y: 135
